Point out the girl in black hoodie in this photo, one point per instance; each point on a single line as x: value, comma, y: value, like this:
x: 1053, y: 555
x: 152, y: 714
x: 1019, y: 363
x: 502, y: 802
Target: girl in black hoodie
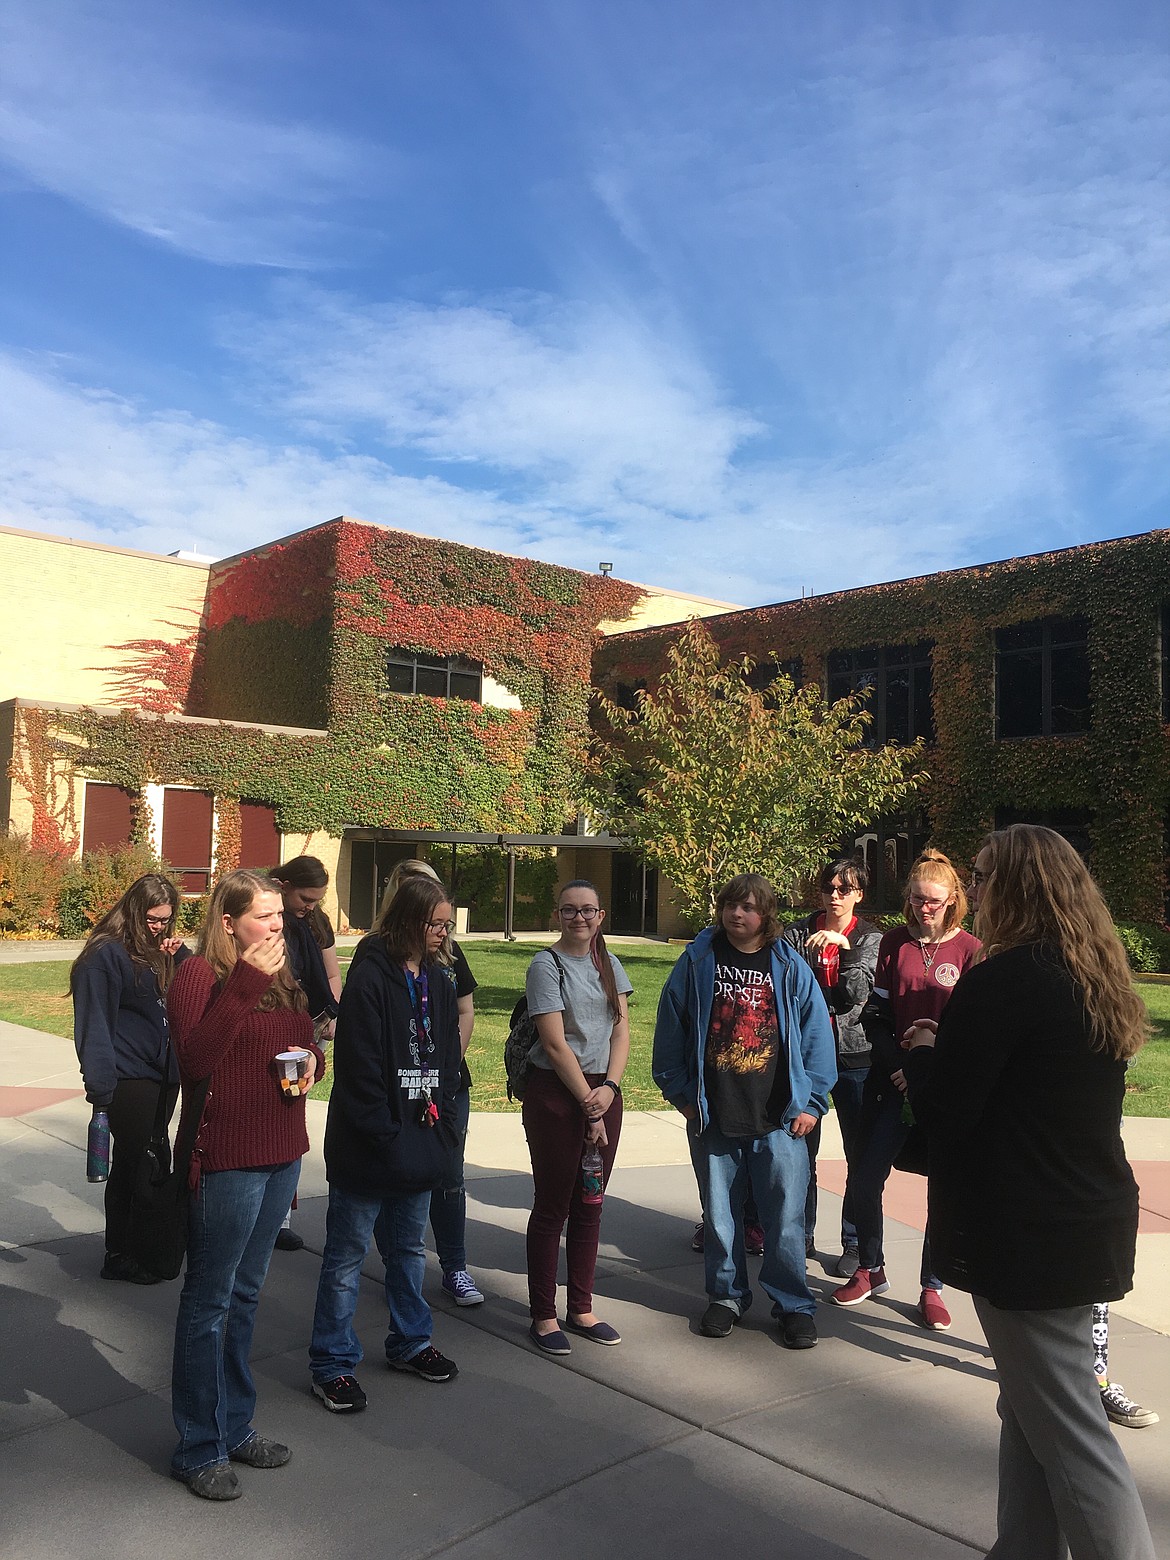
x: 390, y: 1136
x: 119, y: 983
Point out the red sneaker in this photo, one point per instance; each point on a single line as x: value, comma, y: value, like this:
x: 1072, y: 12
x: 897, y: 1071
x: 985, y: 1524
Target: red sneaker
x: 932, y: 1312
x: 862, y: 1286
x: 753, y: 1239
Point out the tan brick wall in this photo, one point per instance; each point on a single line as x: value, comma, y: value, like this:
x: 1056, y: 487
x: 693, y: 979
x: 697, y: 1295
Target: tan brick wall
x: 66, y: 602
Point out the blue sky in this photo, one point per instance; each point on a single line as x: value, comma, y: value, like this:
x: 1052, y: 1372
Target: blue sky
x: 745, y: 298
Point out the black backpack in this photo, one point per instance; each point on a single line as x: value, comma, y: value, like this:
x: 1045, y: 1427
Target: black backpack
x: 523, y: 1038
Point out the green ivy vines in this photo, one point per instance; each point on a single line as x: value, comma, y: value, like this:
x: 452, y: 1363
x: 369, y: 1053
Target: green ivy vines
x: 296, y: 635
x: 1119, y: 771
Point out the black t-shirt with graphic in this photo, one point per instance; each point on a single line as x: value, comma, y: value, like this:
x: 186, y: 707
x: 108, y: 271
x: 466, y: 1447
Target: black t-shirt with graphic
x: 747, y: 1087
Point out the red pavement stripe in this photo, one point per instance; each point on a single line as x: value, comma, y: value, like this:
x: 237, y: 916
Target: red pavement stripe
x: 905, y: 1198
x: 22, y: 1099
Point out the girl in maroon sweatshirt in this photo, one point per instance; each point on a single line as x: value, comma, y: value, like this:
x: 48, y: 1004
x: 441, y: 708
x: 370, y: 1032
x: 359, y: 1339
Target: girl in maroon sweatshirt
x: 233, y: 1008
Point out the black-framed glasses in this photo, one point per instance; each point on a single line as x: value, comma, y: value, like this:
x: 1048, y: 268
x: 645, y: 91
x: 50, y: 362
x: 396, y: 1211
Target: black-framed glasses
x: 586, y: 913
x: 978, y: 878
x: 157, y: 921
x: 446, y: 927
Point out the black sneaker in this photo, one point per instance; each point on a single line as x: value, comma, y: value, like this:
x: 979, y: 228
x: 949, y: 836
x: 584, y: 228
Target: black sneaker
x: 342, y: 1395
x: 798, y: 1330
x: 429, y: 1364
x: 718, y: 1320
x: 127, y: 1270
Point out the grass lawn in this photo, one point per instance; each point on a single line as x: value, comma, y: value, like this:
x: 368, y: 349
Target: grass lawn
x: 36, y: 995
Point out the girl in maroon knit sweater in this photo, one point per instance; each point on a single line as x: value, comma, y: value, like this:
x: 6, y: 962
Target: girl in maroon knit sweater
x: 234, y: 1009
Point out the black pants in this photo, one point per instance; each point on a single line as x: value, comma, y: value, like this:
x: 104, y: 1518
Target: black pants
x: 131, y: 1113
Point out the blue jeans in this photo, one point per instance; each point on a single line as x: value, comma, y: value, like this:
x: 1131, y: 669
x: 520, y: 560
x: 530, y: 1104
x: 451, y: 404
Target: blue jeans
x: 846, y: 1093
x: 335, y: 1350
x: 449, y: 1201
x: 775, y: 1167
x: 234, y: 1219
x: 882, y: 1135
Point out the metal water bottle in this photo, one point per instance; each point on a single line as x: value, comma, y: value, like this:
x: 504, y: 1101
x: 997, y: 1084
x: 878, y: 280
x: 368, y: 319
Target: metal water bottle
x: 97, y: 1149
x: 592, y: 1174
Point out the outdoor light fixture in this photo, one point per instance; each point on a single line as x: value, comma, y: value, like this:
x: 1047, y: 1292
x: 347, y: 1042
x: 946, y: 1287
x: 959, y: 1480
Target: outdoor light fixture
x: 605, y: 568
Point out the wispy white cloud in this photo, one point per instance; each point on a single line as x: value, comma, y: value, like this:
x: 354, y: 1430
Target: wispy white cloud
x: 128, y: 111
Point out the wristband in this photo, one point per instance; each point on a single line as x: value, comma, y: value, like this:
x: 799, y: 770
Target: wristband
x: 608, y: 1083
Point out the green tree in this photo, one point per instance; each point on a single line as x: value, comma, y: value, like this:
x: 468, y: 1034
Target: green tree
x: 709, y: 776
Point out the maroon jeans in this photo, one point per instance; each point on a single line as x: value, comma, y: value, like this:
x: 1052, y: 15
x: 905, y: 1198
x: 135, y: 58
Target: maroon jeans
x: 554, y: 1125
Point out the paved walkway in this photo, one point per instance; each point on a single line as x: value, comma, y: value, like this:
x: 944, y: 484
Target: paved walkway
x: 879, y: 1443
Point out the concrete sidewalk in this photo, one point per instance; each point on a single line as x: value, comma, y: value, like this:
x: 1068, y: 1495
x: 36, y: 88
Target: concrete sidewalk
x: 879, y: 1443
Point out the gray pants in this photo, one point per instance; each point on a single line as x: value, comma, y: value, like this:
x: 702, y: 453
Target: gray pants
x: 1063, y: 1479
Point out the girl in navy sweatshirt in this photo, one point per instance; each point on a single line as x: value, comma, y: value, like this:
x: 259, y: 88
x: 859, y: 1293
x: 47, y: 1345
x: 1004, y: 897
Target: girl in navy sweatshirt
x: 119, y: 984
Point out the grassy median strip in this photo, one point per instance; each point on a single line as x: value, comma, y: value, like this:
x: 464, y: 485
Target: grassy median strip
x: 37, y: 995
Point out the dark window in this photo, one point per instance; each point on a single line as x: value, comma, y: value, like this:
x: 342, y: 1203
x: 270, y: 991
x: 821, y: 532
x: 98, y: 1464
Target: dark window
x: 625, y: 695
x: 109, y: 817
x: 440, y: 676
x: 1073, y: 822
x: 259, y: 836
x: 186, y: 836
x: 1042, y: 678
x: 898, y: 680
x: 1164, y: 636
x: 764, y: 673
x: 888, y: 848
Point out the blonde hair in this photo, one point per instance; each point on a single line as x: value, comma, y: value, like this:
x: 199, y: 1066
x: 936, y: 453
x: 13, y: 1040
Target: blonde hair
x: 233, y: 896
x: 933, y: 867
x: 1040, y: 891
x: 411, y: 869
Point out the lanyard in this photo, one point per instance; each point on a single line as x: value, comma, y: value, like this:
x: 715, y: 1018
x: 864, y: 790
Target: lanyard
x: 420, y: 1001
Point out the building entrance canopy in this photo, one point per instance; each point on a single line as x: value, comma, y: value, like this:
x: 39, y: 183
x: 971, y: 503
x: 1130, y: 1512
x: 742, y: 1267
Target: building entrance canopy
x: 509, y: 844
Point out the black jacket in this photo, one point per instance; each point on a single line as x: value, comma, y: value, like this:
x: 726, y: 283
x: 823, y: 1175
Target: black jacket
x: 375, y: 1142
x: 1032, y: 1202
x: 308, y: 967
x: 119, y: 1021
x: 846, y: 999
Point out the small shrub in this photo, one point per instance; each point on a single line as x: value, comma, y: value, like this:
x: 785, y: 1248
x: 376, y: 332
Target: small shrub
x: 30, y: 881
x: 1147, y: 947
x: 191, y: 913
x: 94, y: 885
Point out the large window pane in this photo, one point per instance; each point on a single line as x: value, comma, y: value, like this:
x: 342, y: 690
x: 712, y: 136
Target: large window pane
x: 1070, y: 690
x: 1020, y: 689
x: 399, y: 677
x: 898, y: 705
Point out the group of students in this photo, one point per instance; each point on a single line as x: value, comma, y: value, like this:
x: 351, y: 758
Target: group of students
x: 150, y: 1015
x: 1032, y: 1204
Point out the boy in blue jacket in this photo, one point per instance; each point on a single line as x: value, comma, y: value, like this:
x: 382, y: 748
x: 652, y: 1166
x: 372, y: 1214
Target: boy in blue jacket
x: 743, y: 1047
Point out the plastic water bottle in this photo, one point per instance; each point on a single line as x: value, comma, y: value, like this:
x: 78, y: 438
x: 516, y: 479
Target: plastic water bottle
x: 97, y: 1151
x: 592, y: 1174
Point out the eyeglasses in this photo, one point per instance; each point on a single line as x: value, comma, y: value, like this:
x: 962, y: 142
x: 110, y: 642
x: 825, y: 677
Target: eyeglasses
x: 978, y: 878
x: 159, y: 922
x: 926, y: 904
x: 838, y: 889
x: 572, y: 912
x: 446, y: 927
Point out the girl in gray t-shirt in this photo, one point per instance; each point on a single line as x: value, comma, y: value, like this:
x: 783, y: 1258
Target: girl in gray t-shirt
x: 572, y: 1100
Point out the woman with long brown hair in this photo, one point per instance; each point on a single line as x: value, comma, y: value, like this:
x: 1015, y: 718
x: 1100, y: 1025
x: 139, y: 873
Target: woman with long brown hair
x: 234, y: 1008
x: 918, y: 967
x: 577, y: 995
x: 119, y: 984
x: 448, y: 1201
x: 389, y: 1142
x: 1033, y: 1207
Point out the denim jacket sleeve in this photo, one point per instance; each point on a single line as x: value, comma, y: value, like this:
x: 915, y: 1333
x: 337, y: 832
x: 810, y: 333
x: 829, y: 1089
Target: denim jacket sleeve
x: 818, y: 1049
x: 674, y: 1061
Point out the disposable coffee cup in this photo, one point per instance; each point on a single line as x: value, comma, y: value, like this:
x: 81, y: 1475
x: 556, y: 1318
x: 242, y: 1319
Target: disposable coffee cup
x: 292, y: 1068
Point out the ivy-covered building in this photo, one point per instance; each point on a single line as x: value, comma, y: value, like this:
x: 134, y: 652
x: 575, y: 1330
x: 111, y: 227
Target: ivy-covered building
x: 352, y: 691
x: 1041, y: 686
